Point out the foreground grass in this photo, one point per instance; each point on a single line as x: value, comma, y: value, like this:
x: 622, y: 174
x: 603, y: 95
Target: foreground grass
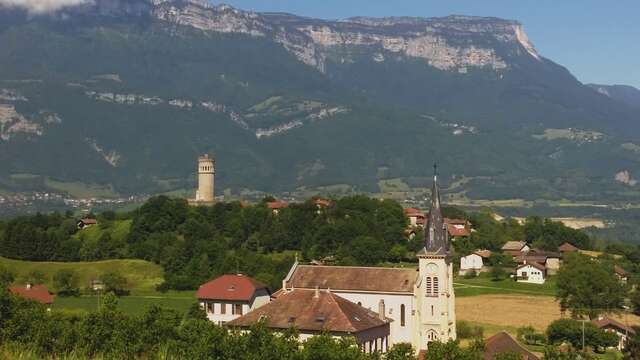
x: 484, y: 285
x: 142, y: 276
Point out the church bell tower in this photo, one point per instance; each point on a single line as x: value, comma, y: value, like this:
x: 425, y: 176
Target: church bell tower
x: 435, y: 303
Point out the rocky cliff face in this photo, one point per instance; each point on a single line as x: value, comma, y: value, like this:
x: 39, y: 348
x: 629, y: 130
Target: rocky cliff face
x: 454, y: 43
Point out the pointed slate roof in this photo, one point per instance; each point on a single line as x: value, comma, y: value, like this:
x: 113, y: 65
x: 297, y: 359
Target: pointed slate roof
x: 436, y: 237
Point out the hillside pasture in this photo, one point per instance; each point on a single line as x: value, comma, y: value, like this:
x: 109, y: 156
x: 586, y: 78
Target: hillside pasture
x: 142, y: 276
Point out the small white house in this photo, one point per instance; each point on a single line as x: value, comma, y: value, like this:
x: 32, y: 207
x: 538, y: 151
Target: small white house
x: 532, y: 273
x: 230, y: 296
x: 474, y: 262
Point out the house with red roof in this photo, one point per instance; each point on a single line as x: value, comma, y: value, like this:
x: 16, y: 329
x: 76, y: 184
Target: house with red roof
x: 39, y: 293
x: 458, y: 228
x: 612, y: 326
x: 415, y: 216
x: 277, y: 205
x: 230, y: 296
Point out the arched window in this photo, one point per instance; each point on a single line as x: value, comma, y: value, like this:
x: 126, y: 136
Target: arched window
x: 432, y: 312
x: 402, y: 319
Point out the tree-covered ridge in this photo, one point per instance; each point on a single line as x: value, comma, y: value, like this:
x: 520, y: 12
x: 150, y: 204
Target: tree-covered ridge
x: 195, y: 244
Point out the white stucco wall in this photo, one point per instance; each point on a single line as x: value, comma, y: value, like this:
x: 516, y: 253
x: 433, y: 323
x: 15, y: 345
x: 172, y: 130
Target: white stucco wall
x: 534, y: 276
x: 393, y: 304
x: 471, y: 262
x: 261, y: 297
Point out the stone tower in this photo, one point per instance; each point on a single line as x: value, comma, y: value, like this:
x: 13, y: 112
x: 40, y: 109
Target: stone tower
x: 435, y: 303
x: 206, y: 175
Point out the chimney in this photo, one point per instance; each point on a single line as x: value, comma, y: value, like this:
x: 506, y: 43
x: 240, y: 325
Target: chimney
x: 381, y: 310
x: 317, y: 294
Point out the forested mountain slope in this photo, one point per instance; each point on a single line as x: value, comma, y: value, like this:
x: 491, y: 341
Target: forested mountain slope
x: 127, y: 94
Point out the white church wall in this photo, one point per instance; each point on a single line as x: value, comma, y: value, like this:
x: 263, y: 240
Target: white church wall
x: 393, y: 308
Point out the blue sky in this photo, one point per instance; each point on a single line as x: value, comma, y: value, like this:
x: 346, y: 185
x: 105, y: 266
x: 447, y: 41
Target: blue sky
x: 598, y: 40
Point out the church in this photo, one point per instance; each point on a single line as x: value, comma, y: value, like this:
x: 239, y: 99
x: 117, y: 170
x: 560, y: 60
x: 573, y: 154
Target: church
x: 419, y: 302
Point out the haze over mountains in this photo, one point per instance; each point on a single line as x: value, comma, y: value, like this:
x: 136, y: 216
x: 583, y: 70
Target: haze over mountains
x: 128, y: 93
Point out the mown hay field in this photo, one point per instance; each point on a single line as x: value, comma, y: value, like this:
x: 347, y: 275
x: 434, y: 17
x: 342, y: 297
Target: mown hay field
x: 511, y: 311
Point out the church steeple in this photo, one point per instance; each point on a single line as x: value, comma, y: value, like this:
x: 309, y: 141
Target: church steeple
x: 436, y: 235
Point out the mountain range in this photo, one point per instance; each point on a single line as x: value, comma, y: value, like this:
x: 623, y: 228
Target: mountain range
x: 126, y: 94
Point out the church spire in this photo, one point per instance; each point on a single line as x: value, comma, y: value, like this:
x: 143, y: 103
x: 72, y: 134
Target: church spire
x: 436, y: 234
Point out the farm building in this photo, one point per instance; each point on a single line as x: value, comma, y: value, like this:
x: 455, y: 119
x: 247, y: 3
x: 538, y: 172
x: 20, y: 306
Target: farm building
x: 39, y: 293
x: 531, y: 272
x: 612, y: 326
x: 515, y: 248
x: 230, y: 296
x: 85, y: 223
x: 550, y: 260
x: 474, y: 262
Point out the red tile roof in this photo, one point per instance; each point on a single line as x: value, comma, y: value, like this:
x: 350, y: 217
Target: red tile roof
x: 278, y: 204
x: 230, y: 287
x: 501, y: 343
x: 455, y: 231
x: 353, y: 278
x: 619, y: 271
x: 322, y: 202
x: 39, y: 293
x: 89, y: 221
x: 308, y: 310
x: 610, y: 323
x: 566, y: 247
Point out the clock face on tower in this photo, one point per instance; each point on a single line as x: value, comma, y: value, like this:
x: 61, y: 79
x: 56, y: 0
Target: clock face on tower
x: 432, y: 268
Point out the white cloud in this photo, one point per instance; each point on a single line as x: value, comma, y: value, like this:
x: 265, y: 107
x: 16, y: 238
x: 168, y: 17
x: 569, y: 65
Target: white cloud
x: 41, y: 6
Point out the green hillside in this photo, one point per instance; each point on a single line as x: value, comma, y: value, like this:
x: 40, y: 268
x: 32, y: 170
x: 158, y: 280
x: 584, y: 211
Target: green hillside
x: 142, y: 276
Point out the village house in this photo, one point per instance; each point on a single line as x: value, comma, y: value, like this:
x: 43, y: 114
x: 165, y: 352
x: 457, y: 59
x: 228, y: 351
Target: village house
x: 458, y: 228
x: 39, y: 293
x: 550, y: 260
x: 515, y: 248
x: 531, y: 272
x: 415, y: 216
x: 611, y: 326
x: 314, y: 311
x: 503, y: 343
x: 475, y: 262
x: 567, y: 248
x: 621, y: 274
x: 230, y: 296
x: 85, y: 223
x: 277, y: 205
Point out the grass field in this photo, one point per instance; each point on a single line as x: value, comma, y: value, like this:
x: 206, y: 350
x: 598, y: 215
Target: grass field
x: 142, y: 276
x: 81, y: 190
x: 132, y: 304
x: 118, y: 230
x: 483, y: 285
